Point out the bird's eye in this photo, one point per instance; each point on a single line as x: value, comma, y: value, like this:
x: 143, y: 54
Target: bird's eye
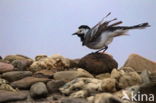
x: 80, y: 31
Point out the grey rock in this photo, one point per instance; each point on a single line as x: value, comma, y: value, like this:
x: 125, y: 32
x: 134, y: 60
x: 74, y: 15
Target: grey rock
x: 22, y: 64
x: 6, y: 96
x: 145, y: 75
x: 16, y: 75
x: 38, y: 90
x: 54, y: 85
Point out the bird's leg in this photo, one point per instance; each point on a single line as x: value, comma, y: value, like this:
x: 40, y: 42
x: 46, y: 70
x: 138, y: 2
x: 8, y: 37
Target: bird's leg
x: 104, y: 49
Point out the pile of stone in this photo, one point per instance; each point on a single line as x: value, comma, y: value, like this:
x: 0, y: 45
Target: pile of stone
x: 95, y: 78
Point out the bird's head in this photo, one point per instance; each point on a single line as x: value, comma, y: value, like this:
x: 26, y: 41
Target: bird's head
x: 82, y: 31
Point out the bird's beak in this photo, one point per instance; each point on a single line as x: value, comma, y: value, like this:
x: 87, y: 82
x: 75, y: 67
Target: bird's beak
x: 76, y: 33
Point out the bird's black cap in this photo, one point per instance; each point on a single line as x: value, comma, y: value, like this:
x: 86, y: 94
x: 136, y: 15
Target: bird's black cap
x: 84, y: 26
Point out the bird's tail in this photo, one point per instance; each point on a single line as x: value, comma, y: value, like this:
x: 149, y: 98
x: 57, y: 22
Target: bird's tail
x: 139, y: 26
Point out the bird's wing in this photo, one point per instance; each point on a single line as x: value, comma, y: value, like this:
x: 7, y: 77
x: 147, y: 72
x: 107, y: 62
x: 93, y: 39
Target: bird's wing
x: 95, y: 30
x: 99, y: 28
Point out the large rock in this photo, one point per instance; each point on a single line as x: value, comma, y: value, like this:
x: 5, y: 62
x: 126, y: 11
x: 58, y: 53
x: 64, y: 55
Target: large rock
x: 6, y: 96
x: 98, y: 63
x: 140, y: 63
x: 38, y: 90
x: 72, y: 74
x: 4, y: 67
x: 16, y: 75
x: 26, y: 82
x: 54, y: 85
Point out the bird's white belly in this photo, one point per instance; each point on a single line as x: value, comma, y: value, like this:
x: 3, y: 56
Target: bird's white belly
x: 103, y: 41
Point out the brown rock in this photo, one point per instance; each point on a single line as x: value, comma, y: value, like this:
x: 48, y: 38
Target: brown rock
x: 6, y: 96
x: 16, y: 75
x: 139, y: 63
x: 4, y: 67
x: 44, y: 73
x: 26, y: 82
x: 71, y: 74
x: 98, y: 63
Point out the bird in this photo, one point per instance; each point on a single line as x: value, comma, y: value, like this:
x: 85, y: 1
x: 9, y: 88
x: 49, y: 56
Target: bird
x: 102, y: 34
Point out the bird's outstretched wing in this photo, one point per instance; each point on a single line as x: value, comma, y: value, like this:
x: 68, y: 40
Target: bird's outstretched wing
x: 99, y: 28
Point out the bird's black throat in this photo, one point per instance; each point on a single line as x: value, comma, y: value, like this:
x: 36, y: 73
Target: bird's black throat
x: 81, y: 38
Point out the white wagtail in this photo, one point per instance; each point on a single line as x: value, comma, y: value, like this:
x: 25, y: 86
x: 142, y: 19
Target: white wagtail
x: 102, y: 34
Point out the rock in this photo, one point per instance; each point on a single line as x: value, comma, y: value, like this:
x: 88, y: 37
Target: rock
x: 6, y: 96
x: 3, y: 81
x: 80, y: 94
x: 145, y: 75
x: 77, y: 86
x: 108, y: 85
x: 72, y: 74
x: 116, y: 74
x: 5, y: 67
x: 44, y: 74
x: 39, y: 57
x: 103, y: 76
x: 126, y: 78
x: 1, y: 58
x: 106, y: 98
x: 139, y: 63
x: 73, y: 100
x: 129, y: 79
x: 54, y: 85
x: 38, y: 90
x: 26, y: 82
x: 5, y: 86
x: 11, y: 58
x: 148, y: 88
x: 89, y: 84
x: 54, y: 63
x: 16, y: 75
x: 98, y: 63
x: 22, y: 64
x: 127, y: 69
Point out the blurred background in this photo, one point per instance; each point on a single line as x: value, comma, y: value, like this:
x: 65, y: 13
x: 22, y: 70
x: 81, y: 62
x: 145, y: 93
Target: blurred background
x: 32, y: 27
